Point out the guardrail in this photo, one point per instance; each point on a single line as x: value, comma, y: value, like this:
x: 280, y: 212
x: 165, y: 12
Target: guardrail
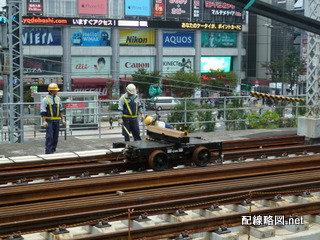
x: 219, y: 109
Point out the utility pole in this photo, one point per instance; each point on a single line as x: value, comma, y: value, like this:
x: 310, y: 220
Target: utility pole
x: 13, y: 84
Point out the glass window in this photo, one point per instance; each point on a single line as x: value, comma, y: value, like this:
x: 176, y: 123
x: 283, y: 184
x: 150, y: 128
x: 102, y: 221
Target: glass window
x: 69, y: 7
x: 51, y: 8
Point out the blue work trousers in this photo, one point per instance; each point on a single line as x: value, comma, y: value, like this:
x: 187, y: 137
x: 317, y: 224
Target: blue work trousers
x: 52, y: 135
x: 132, y: 126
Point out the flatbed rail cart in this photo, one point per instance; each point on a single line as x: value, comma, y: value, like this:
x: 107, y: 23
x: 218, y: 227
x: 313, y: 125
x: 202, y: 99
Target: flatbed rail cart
x: 165, y: 146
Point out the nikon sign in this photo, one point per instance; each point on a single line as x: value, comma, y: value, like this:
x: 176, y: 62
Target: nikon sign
x: 132, y: 37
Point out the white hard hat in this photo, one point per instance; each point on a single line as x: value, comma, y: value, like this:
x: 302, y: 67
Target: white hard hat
x: 131, y: 88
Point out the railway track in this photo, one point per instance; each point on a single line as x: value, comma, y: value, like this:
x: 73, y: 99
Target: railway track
x: 102, y: 188
x: 207, y: 224
x: 14, y: 194
x: 57, y: 166
x: 160, y: 200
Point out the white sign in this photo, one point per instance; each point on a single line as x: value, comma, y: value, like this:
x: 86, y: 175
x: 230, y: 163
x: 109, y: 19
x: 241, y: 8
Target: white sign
x: 129, y: 65
x: 91, y: 65
x: 174, y: 64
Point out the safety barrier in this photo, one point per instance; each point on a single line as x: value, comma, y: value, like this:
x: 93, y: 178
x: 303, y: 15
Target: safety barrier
x: 276, y: 97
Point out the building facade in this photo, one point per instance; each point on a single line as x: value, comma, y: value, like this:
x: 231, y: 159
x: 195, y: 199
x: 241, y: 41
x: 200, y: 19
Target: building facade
x: 92, y: 45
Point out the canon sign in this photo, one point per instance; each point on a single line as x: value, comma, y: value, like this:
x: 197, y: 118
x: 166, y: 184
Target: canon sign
x: 136, y: 65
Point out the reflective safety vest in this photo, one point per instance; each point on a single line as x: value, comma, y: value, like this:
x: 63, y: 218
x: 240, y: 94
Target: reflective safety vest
x: 51, y: 117
x: 129, y: 109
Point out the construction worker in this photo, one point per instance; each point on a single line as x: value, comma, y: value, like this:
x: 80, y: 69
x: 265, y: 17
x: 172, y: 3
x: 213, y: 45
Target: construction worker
x: 51, y: 114
x: 129, y: 109
x: 152, y: 121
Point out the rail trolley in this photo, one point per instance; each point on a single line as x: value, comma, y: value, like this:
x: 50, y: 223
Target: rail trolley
x: 165, y: 147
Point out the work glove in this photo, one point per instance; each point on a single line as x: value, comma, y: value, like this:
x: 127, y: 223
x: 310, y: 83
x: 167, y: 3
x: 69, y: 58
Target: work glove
x: 120, y: 121
x: 143, y: 116
x: 64, y: 123
x: 45, y: 124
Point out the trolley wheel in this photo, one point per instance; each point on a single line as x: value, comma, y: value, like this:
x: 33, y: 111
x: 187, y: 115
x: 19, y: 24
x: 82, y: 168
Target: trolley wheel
x: 158, y: 160
x: 201, y: 156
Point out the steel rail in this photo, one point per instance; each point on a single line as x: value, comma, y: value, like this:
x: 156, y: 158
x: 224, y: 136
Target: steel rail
x: 29, y: 171
x: 58, y: 162
x: 202, y: 225
x: 15, y: 194
x: 102, y: 166
x: 267, y: 152
x: 262, y: 142
x: 37, y: 216
x: 64, y: 171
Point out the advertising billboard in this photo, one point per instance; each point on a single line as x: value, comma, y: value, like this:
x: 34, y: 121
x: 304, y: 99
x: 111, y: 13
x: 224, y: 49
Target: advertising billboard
x: 215, y: 63
x: 127, y: 23
x: 90, y: 65
x: 42, y: 65
x: 178, y: 9
x: 196, y: 9
x: 41, y: 36
x: 158, y: 9
x: 133, y: 37
x: 90, y: 37
x: 175, y: 64
x: 218, y: 39
x: 178, y: 39
x: 128, y: 65
x: 137, y: 8
x: 34, y: 7
x: 222, y: 12
x: 93, y: 7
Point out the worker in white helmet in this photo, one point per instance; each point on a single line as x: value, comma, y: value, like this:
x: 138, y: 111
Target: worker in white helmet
x: 129, y: 109
x: 51, y: 114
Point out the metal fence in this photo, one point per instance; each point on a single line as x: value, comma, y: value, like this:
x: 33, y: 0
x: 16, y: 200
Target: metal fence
x: 198, y: 114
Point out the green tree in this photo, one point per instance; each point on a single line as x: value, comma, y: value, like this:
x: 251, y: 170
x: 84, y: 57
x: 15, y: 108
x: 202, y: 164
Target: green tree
x: 184, y: 83
x: 205, y: 115
x: 236, y: 118
x: 144, y: 79
x: 220, y: 78
x: 178, y: 116
x: 274, y: 68
x: 294, y: 67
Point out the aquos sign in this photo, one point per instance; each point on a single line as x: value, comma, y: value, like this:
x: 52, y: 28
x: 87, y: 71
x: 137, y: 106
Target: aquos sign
x: 178, y: 39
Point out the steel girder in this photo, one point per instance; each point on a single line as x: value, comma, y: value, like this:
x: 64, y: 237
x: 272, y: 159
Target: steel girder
x: 14, y: 83
x: 313, y: 67
x: 279, y: 14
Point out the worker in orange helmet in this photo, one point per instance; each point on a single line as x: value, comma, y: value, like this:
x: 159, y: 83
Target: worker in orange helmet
x: 51, y: 114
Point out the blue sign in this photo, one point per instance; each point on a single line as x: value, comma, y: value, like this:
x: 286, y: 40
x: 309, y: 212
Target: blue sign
x: 137, y: 8
x: 3, y: 19
x: 41, y: 36
x: 178, y: 39
x: 90, y: 37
